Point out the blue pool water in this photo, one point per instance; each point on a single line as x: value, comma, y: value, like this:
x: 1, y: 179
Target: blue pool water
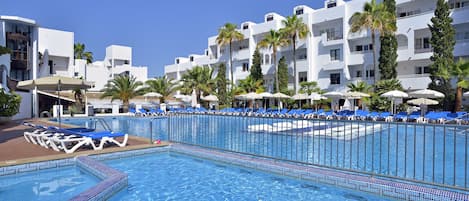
x: 431, y: 153
x: 179, y: 177
x: 49, y: 184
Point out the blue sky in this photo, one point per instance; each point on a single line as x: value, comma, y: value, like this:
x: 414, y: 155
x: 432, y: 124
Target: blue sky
x: 157, y: 31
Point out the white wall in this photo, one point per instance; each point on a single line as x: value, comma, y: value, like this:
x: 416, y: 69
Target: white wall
x: 119, y: 52
x: 58, y: 43
x: 25, y: 106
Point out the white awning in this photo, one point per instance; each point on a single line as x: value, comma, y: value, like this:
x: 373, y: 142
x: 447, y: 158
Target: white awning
x: 55, y: 96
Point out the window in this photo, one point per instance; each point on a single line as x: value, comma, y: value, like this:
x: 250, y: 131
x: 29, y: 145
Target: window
x: 206, y: 52
x: 191, y: 58
x: 331, y: 4
x: 363, y: 48
x: 302, y: 76
x: 51, y: 67
x: 177, y: 61
x: 269, y: 18
x: 359, y: 48
x: 302, y: 56
x: 335, y: 78
x: 370, y: 73
x: 245, y: 67
x: 422, y: 70
x: 267, y: 59
x: 245, y: 26
x: 299, y: 11
x: 126, y: 62
x: 462, y: 35
x: 75, y: 74
x: 358, y: 73
x: 458, y: 4
x: 335, y: 54
x: 422, y: 43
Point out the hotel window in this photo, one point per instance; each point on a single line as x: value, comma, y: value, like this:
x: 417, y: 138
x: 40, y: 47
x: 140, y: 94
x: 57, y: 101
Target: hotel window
x: 370, y: 73
x: 335, y: 54
x: 245, y: 67
x: 331, y: 4
x: 422, y: 70
x: 267, y: 59
x: 302, y: 56
x: 458, y: 4
x: 335, y: 78
x: 299, y: 11
x: 358, y: 73
x: 75, y: 74
x: 126, y: 62
x: 206, y: 52
x: 269, y: 18
x: 463, y: 35
x: 245, y: 26
x: 177, y: 61
x: 51, y: 67
x: 191, y: 58
x: 422, y: 43
x: 302, y: 76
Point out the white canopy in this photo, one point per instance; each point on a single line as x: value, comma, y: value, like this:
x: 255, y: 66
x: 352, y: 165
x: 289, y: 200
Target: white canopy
x: 316, y: 96
x: 466, y: 94
x: 55, y: 83
x: 152, y: 94
x: 422, y: 101
x: 266, y: 94
x: 395, y: 94
x: 334, y: 94
x: 280, y: 95
x: 210, y: 98
x: 300, y: 97
x: 426, y: 93
x: 355, y: 95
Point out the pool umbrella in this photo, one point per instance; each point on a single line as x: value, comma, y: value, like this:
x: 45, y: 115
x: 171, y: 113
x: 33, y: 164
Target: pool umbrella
x: 194, y: 98
x: 394, y: 94
x: 315, y: 96
x: 426, y: 93
x: 152, y: 95
x: 466, y: 94
x: 279, y: 96
x: 422, y: 101
x: 334, y: 95
x: 300, y: 97
x: 210, y: 98
x: 265, y: 95
x: 356, y: 95
x: 55, y: 83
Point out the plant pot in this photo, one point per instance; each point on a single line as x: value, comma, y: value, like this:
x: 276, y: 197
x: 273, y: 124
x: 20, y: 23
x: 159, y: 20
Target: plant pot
x: 4, y: 120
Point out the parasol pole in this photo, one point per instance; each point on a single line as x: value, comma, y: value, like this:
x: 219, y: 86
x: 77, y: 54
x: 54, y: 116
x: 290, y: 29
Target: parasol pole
x: 58, y: 95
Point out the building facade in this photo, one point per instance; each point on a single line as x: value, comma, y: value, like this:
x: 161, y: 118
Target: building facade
x: 40, y: 52
x: 332, y: 55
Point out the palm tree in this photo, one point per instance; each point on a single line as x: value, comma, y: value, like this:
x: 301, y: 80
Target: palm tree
x: 198, y: 79
x: 162, y: 85
x: 250, y: 85
x: 273, y: 41
x: 79, y: 53
x: 376, y: 18
x: 226, y: 36
x: 124, y: 88
x: 310, y: 87
x: 359, y: 87
x: 384, y: 86
x: 460, y: 70
x: 294, y: 29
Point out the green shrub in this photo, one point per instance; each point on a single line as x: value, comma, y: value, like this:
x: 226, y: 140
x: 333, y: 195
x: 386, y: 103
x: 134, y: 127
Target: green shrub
x: 9, y: 103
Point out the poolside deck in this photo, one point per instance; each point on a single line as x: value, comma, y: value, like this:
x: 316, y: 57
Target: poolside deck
x: 15, y: 150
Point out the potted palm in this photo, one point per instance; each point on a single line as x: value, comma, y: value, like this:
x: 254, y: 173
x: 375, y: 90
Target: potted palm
x: 9, y: 105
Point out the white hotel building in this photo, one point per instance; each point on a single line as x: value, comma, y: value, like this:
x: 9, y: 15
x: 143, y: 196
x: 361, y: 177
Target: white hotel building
x: 332, y: 55
x: 40, y: 52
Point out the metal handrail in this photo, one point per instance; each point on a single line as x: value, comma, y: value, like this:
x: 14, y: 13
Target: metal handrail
x: 103, y: 123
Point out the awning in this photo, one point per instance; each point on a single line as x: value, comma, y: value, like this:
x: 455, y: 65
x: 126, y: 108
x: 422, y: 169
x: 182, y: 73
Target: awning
x: 55, y: 96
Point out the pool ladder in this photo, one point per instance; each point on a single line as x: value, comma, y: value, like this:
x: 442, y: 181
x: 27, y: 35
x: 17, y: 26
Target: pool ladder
x: 103, y: 123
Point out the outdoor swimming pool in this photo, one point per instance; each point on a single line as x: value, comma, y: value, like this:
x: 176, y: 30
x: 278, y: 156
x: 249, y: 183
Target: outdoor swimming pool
x: 435, y: 154
x: 49, y: 184
x: 178, y: 177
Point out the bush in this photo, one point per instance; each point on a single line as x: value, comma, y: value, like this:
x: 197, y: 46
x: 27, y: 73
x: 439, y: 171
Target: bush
x: 9, y: 103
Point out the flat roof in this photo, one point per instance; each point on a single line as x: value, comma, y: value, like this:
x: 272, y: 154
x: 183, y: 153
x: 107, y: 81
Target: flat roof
x: 18, y: 19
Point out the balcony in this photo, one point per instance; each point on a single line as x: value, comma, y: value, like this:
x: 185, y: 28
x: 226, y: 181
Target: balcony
x: 241, y: 54
x: 414, y: 81
x: 334, y: 38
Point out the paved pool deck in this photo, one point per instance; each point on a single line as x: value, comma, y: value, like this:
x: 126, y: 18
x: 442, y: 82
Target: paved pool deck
x: 15, y: 150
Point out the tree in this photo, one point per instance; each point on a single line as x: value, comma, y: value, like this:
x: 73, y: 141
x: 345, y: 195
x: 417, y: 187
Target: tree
x: 294, y: 29
x: 162, y: 85
x: 250, y: 85
x: 379, y: 103
x: 79, y: 53
x: 388, y: 50
x: 226, y: 36
x: 4, y: 50
x: 442, y: 43
x: 460, y: 70
x: 282, y: 75
x: 375, y: 18
x: 198, y: 79
x: 273, y: 41
x: 359, y: 87
x: 221, y: 84
x: 256, y: 70
x: 309, y: 87
x: 124, y: 88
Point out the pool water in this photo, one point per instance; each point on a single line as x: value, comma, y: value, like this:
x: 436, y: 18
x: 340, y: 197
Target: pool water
x: 49, y: 184
x: 180, y: 177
